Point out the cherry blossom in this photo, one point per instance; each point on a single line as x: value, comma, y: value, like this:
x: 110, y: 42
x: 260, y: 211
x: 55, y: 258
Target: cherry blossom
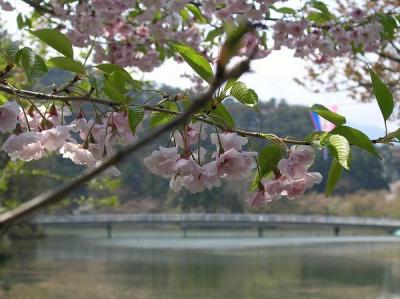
x: 5, y: 5
x: 228, y: 141
x: 233, y: 164
x: 55, y: 138
x: 197, y: 179
x: 296, y: 188
x: 163, y: 162
x: 293, y: 179
x: 8, y: 116
x: 256, y: 199
x: 193, y: 132
x: 24, y: 146
x: 77, y: 154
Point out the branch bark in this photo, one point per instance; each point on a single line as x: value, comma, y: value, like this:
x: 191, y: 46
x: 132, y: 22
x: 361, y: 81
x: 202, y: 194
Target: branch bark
x: 56, y: 194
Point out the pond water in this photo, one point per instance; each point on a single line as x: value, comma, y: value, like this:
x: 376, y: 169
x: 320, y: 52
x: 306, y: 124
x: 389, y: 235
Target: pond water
x: 160, y: 264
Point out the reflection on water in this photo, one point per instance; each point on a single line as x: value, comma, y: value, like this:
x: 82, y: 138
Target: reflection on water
x: 91, y: 267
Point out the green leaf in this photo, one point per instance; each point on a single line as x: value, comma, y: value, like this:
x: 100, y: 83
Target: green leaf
x: 319, y: 18
x: 357, y: 138
x: 56, y: 40
x: 197, y: 13
x: 10, y: 51
x: 184, y: 13
x: 268, y: 158
x: 110, y: 68
x: 160, y: 118
x: 33, y: 65
x: 285, y: 10
x: 230, y: 83
x: 97, y: 83
x: 383, y: 95
x: 321, y: 6
x: 389, y: 25
x: 119, y: 81
x: 135, y: 117
x: 37, y: 69
x: 334, y: 174
x: 244, y: 95
x: 340, y: 147
x: 222, y: 117
x: 25, y: 57
x: 20, y: 21
x: 197, y: 61
x: 67, y: 64
x: 113, y: 93
x: 212, y: 34
x: 324, y: 112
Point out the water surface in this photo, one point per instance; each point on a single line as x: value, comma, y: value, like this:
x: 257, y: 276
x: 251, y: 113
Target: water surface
x: 164, y: 265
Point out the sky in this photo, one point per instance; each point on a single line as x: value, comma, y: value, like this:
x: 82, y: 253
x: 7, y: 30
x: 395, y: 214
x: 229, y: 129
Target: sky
x: 271, y: 77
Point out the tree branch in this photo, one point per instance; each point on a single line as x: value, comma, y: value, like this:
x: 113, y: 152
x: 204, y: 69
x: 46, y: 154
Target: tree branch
x: 43, y: 96
x: 389, y: 56
x: 55, y: 195
x: 32, y: 95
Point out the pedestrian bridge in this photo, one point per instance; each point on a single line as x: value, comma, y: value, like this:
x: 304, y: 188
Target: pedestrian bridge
x: 259, y: 221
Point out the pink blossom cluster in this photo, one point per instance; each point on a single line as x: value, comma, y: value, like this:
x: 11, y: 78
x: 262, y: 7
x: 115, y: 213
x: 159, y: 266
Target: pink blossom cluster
x: 320, y: 46
x: 293, y: 179
x: 186, y: 169
x: 124, y: 38
x: 137, y: 33
x: 6, y: 6
x: 38, y: 131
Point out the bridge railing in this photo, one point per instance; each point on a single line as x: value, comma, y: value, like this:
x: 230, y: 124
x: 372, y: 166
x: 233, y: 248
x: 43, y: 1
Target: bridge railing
x: 217, y: 218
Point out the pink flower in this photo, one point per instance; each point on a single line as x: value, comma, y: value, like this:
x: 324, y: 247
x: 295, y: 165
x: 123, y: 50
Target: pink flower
x: 296, y: 188
x: 195, y: 178
x: 55, y: 137
x: 82, y: 126
x: 6, y: 6
x: 209, y: 175
x: 292, y: 169
x: 24, y: 146
x: 98, y: 150
x: 301, y: 157
x: 188, y: 167
x: 56, y: 114
x: 228, y: 141
x: 193, y: 134
x: 256, y: 199
x: 297, y: 28
x: 9, y: 116
x: 142, y: 31
x: 273, y: 189
x: 30, y: 117
x: 77, y: 154
x: 357, y: 14
x: 120, y: 126
x: 233, y: 164
x: 163, y: 162
x: 302, y: 153
x: 99, y: 132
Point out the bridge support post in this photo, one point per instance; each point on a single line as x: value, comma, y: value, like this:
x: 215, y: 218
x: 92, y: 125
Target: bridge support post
x: 260, y: 231
x: 184, y: 228
x: 336, y: 231
x: 109, y: 230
